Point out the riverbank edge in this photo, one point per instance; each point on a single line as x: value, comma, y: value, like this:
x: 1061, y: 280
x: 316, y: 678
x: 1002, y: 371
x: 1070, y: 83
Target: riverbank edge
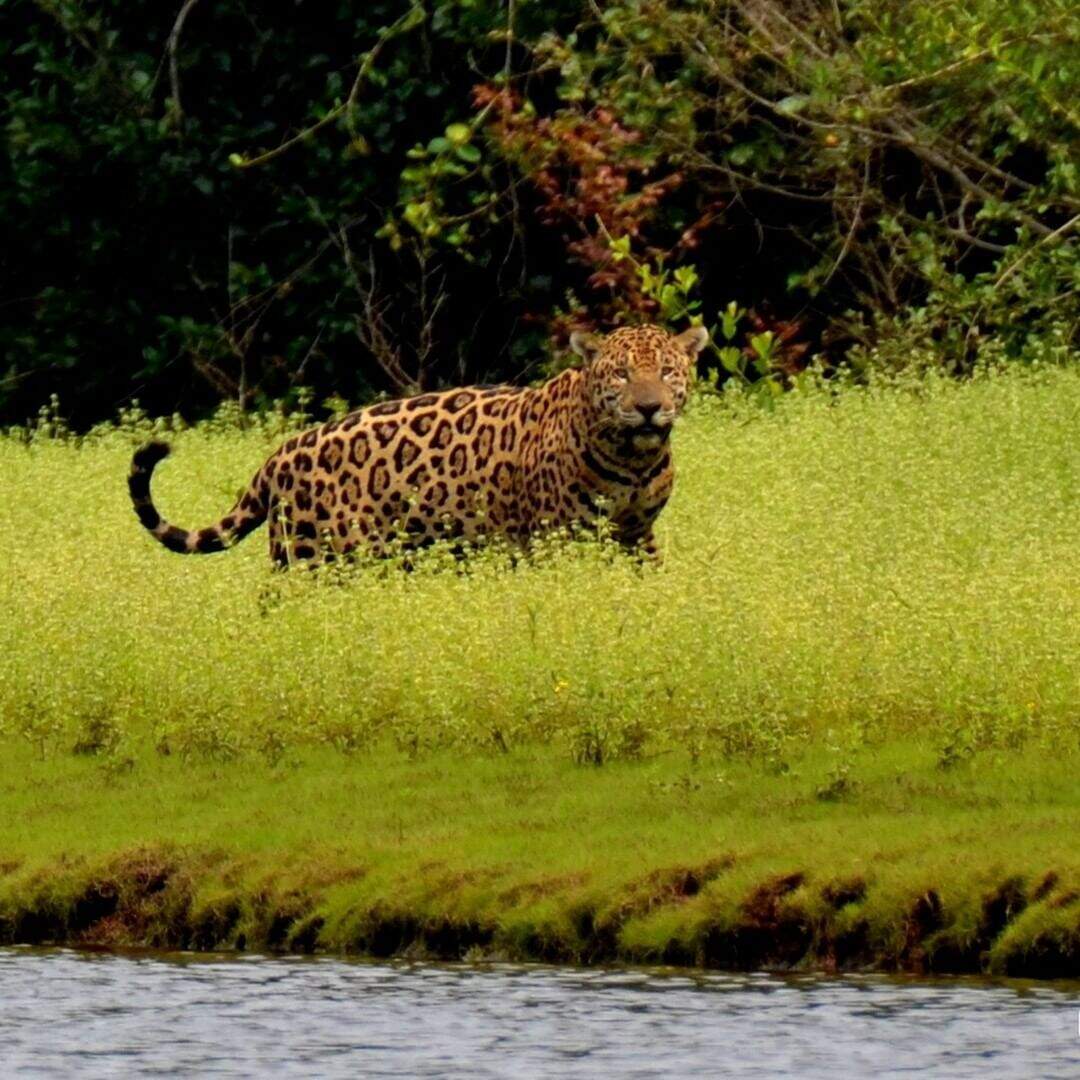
x: 183, y: 900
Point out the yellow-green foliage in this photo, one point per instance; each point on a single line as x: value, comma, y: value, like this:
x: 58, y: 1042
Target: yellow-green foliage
x: 850, y: 567
x: 838, y: 725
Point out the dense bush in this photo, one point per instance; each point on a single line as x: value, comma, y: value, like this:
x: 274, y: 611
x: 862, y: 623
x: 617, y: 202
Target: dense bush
x: 906, y: 167
x: 139, y: 257
x: 225, y: 200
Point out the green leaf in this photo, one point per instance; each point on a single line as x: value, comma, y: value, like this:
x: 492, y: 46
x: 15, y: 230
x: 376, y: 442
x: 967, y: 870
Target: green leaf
x: 729, y: 321
x: 731, y: 358
x: 741, y: 154
x: 792, y: 104
x: 686, y: 278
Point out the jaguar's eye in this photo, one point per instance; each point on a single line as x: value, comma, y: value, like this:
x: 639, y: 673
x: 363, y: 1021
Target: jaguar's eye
x: 622, y: 375
x: 667, y: 374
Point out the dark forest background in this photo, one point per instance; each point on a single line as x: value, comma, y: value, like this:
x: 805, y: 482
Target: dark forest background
x: 251, y: 201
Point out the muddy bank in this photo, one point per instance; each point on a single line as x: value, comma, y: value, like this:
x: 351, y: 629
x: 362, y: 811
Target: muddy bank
x: 683, y: 916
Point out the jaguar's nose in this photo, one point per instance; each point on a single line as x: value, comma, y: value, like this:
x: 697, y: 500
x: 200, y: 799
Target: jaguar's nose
x: 648, y: 410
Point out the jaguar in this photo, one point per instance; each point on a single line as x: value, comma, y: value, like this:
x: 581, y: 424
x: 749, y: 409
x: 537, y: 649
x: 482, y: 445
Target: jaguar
x: 591, y: 443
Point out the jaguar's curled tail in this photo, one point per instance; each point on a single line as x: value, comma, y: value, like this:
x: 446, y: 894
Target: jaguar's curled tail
x: 249, y: 512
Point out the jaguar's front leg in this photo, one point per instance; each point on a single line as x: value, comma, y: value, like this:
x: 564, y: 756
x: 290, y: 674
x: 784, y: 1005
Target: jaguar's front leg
x: 647, y: 550
x: 641, y: 543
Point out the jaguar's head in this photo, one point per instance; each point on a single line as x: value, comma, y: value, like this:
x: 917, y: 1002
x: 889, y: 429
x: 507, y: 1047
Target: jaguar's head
x: 637, y: 380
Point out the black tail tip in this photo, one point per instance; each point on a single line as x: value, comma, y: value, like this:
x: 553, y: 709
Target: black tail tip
x: 149, y: 455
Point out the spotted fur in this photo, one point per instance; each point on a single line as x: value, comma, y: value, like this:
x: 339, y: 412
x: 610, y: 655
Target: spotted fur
x: 590, y: 443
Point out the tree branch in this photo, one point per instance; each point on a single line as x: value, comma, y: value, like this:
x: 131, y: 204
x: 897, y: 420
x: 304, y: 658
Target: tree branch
x: 409, y: 21
x: 172, y: 46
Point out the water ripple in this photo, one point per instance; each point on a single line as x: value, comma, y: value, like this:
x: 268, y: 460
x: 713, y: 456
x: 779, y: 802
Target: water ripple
x: 103, y: 1015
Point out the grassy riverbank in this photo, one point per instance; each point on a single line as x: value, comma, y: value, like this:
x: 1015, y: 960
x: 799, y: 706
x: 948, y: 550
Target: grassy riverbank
x: 838, y: 726
x: 528, y: 856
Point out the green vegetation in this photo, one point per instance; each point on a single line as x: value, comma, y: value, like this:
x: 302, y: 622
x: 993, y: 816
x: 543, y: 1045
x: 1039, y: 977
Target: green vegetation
x: 837, y: 725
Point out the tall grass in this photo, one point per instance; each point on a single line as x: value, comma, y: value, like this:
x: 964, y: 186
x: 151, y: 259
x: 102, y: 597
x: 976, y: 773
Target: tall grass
x: 887, y: 562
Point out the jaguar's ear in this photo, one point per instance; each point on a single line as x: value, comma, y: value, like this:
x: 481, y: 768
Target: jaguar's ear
x: 585, y: 345
x: 692, y: 341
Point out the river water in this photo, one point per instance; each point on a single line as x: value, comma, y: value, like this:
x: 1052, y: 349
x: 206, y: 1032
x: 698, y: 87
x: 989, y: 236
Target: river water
x: 81, y: 1014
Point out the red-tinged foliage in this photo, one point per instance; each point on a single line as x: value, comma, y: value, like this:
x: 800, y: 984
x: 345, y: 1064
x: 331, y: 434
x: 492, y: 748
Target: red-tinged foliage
x: 593, y: 183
